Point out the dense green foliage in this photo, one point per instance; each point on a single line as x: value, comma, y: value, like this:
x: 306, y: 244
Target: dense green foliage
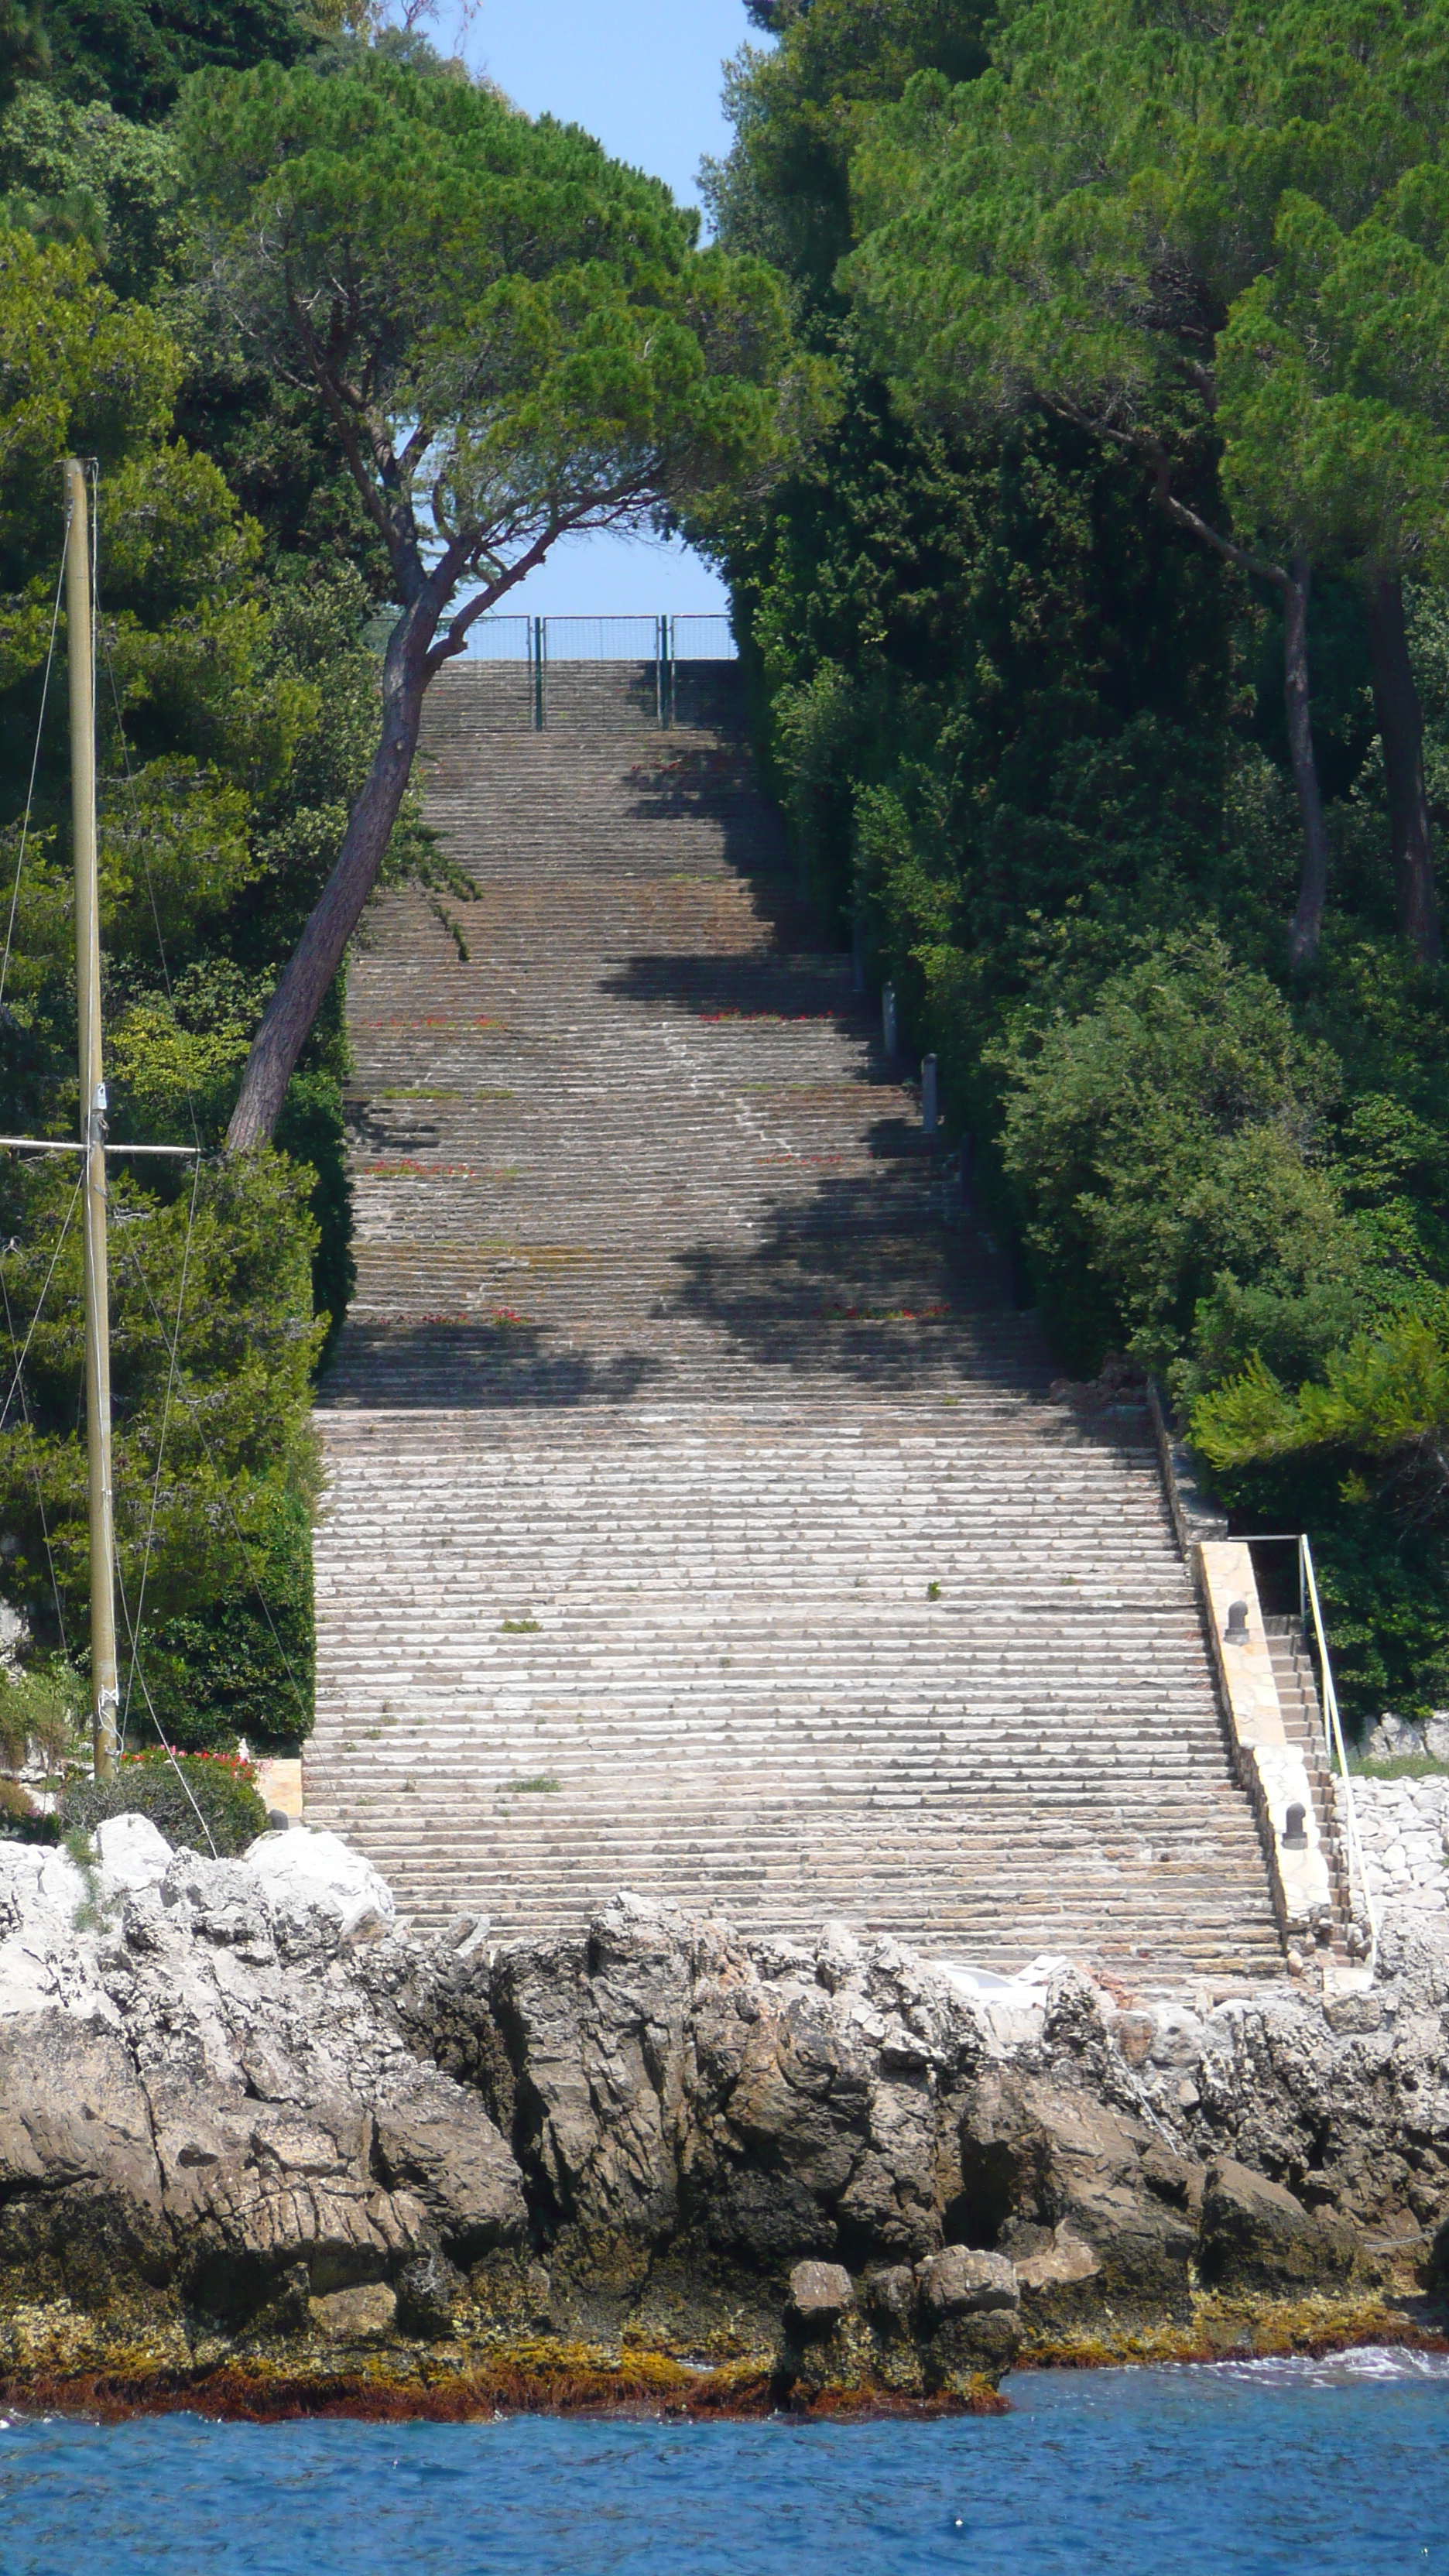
x: 134, y: 54
x: 225, y: 730
x: 1030, y: 732
x: 237, y: 706
x: 201, y: 1802
x: 42, y: 1711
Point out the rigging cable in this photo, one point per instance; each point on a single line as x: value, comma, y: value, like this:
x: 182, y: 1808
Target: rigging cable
x: 194, y: 1410
x: 50, y: 1274
x: 168, y: 1749
x: 17, y: 1381
x: 135, y: 1630
x: 135, y: 1672
x: 34, y: 767
x: 171, y: 1343
x: 35, y: 1463
x: 171, y: 1351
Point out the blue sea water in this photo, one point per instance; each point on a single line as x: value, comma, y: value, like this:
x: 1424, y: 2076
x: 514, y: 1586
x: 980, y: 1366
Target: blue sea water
x: 1268, y: 2469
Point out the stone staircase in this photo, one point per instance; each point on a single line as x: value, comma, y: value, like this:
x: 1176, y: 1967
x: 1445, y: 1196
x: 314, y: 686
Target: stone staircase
x: 1292, y: 1662
x: 699, y: 1515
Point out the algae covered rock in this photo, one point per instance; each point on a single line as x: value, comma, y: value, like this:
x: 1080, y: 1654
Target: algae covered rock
x: 242, y: 2116
x: 960, y: 2282
x: 1257, y: 2236
x: 1080, y: 2196
x: 820, y: 2293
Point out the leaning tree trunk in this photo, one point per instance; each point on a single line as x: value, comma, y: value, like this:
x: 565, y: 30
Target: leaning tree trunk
x: 319, y: 952
x: 1401, y: 731
x: 1306, y: 927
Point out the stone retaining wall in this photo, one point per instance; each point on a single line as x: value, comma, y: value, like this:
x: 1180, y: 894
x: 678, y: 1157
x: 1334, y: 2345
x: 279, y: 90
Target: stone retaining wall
x: 1404, y: 1825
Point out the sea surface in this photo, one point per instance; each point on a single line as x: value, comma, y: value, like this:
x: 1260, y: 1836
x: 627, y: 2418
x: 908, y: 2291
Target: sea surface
x: 1272, y: 2468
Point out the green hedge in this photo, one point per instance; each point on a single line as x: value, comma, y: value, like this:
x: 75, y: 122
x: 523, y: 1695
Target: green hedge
x: 170, y: 1791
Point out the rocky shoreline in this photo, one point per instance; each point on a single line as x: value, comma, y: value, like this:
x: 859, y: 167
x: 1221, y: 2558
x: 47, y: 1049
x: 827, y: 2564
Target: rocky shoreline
x: 262, y: 2152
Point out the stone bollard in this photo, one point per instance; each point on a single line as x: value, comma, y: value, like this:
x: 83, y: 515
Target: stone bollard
x: 890, y: 1034
x: 930, y: 1102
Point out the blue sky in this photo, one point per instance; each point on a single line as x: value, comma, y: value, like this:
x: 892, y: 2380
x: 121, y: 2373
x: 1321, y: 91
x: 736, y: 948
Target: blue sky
x: 645, y: 77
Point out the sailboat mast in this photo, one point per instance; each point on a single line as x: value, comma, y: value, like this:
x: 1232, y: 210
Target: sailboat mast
x: 105, y: 1695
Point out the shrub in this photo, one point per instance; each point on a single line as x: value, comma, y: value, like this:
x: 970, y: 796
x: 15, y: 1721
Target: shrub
x: 311, y: 1129
x: 1168, y: 1148
x: 20, y: 1818
x: 170, y: 1788
x: 43, y: 1708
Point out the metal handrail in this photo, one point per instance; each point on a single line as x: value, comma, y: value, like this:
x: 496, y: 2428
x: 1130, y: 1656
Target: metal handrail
x: 1333, y: 1742
x: 703, y: 635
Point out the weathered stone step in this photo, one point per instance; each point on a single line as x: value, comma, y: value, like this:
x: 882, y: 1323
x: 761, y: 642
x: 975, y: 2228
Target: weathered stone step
x: 672, y: 1337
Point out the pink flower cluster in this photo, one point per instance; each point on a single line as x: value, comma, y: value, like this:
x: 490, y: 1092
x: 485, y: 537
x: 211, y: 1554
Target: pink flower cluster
x: 239, y: 1768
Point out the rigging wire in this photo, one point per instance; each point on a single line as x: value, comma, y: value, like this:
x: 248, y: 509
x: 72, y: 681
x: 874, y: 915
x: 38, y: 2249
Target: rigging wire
x: 194, y: 1410
x: 168, y: 1749
x: 50, y: 1274
x: 34, y: 767
x: 140, y: 840
x: 135, y: 1630
x: 35, y: 1462
x: 17, y: 1381
x: 171, y: 1353
x: 135, y: 1672
x: 171, y: 1343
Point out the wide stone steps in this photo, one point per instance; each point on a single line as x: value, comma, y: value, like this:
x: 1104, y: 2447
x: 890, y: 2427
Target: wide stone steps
x: 699, y: 1514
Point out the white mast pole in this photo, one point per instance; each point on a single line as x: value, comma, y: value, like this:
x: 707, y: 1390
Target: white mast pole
x: 105, y: 1696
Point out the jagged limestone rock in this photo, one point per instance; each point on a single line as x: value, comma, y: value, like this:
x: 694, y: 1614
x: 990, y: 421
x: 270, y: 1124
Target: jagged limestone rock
x: 221, y: 2116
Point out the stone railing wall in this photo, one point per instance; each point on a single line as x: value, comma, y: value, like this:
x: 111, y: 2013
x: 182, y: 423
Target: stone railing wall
x: 1270, y: 1766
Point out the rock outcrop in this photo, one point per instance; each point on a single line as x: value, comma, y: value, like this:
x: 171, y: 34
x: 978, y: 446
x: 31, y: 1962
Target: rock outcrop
x: 248, y: 2125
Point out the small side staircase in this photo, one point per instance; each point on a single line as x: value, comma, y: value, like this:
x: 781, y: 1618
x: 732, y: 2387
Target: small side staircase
x: 1292, y: 1662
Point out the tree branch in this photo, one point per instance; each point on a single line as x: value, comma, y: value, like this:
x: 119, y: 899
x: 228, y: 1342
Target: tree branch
x: 1183, y: 517
x: 456, y: 636
x: 401, y: 544
x: 1139, y: 442
x: 602, y: 512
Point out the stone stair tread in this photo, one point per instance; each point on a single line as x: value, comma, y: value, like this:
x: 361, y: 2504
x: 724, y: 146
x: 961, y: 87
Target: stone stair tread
x: 671, y: 1336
